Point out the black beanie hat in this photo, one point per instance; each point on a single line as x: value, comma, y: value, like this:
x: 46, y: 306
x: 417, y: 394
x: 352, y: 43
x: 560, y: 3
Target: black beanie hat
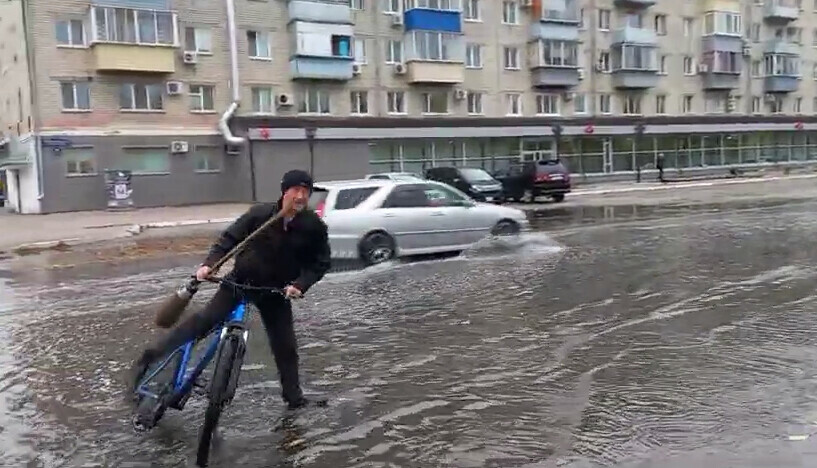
x: 296, y: 178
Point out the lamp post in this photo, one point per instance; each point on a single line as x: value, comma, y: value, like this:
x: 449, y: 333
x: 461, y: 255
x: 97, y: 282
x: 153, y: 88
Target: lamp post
x: 310, y: 140
x: 639, y: 133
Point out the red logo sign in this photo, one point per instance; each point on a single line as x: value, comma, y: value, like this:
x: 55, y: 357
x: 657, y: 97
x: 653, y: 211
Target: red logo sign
x: 265, y: 133
x: 798, y: 125
x: 589, y: 129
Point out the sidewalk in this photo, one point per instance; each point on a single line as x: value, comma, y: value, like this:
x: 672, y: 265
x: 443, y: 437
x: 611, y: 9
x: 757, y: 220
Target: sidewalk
x: 38, y: 232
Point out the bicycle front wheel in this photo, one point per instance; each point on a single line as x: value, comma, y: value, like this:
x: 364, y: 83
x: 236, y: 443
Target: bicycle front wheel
x: 228, y: 363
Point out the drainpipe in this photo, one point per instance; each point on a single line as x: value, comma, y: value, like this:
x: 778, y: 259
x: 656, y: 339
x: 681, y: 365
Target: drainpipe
x: 223, y: 122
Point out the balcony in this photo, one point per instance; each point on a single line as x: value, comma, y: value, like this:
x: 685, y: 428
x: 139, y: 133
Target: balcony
x: 321, y: 68
x: 434, y: 72
x: 320, y: 11
x: 110, y: 57
x: 134, y: 40
x: 14, y: 153
x: 631, y: 35
x: 722, y: 5
x: 557, y: 31
x: 634, y: 3
x: 635, y: 79
x: 778, y: 46
x: 569, y: 13
x: 553, y: 77
x: 432, y: 20
x: 714, y: 81
x: 781, y: 10
x: 781, y: 84
x: 722, y: 43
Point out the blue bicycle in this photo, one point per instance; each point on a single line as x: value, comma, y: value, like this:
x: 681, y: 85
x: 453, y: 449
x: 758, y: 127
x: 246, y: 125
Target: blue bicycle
x: 170, y: 382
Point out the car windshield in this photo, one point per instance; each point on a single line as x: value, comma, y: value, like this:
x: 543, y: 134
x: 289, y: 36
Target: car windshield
x: 476, y: 175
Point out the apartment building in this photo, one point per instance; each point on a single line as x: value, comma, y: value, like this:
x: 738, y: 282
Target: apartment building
x: 212, y: 100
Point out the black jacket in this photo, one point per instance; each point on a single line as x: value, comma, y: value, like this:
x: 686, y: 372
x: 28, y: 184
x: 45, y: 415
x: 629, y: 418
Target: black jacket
x: 298, y: 255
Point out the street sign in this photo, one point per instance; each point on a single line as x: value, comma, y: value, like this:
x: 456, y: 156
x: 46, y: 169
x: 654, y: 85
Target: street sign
x: 119, y: 188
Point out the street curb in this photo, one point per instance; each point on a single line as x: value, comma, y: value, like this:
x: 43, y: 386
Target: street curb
x: 682, y: 185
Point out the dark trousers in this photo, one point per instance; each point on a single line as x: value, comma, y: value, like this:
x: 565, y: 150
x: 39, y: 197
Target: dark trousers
x: 276, y: 314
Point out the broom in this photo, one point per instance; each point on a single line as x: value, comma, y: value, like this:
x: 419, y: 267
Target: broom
x: 173, y: 308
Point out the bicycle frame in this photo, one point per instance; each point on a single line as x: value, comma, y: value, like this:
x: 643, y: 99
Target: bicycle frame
x: 184, y: 379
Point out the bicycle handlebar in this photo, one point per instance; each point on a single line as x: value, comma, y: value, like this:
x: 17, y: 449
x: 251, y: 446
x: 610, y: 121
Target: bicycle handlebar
x: 246, y: 287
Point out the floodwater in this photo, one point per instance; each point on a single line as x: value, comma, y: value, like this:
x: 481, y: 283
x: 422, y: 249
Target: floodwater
x: 651, y: 337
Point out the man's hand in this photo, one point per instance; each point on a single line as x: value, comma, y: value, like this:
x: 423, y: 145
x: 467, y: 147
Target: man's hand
x: 203, y: 272
x: 291, y: 292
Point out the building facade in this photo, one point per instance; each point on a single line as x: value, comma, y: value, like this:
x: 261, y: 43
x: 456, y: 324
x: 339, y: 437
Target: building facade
x: 212, y: 100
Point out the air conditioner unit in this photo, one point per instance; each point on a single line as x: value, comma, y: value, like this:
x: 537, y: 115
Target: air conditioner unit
x: 769, y: 97
x: 397, y: 20
x: 399, y: 69
x: 703, y: 68
x: 178, y: 147
x: 283, y: 100
x: 600, y: 68
x: 460, y: 94
x: 190, y: 58
x: 175, y: 88
x: 747, y: 51
x: 356, y: 69
x: 581, y: 73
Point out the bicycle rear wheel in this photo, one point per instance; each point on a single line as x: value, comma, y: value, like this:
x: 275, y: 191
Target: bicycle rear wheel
x: 222, y: 389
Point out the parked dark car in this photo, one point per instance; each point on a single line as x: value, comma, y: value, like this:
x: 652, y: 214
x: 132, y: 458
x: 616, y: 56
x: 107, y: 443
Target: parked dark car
x: 529, y: 180
x: 474, y: 182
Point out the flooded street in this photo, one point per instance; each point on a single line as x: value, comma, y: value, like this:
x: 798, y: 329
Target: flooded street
x: 633, y: 336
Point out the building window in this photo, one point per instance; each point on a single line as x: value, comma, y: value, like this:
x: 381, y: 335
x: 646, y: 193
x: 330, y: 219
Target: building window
x: 360, y: 102
x: 798, y: 105
x: 262, y: 100
x: 604, y: 62
x: 604, y: 19
x: 756, y: 105
x: 662, y: 64
x: 360, y: 51
x: 688, y: 25
x: 755, y: 32
x: 202, y: 98
x: 435, y: 45
x: 356, y: 4
x: 686, y: 104
x: 208, y: 159
x: 605, y: 104
x: 141, y: 97
x: 199, y: 40
x: 130, y: 26
x: 473, y: 56
x: 76, y: 95
x: 715, y: 104
x: 660, y: 104
x: 470, y: 10
x: 757, y: 69
x: 71, y: 33
x: 258, y: 43
x: 634, y: 20
x: 635, y: 57
x: 394, y: 52
x: 579, y: 104
x: 557, y: 53
x: 511, y: 58
x: 776, y: 105
x: 814, y: 105
x: 689, y: 66
x: 396, y: 102
x: 513, y: 104
x: 782, y: 65
x: 723, y: 62
x: 510, y: 12
x: 722, y: 22
x: 79, y: 161
x: 631, y: 104
x: 314, y: 101
x: 661, y: 25
x: 391, y: 6
x: 145, y: 161
x: 474, y: 103
x: 435, y: 103
x: 547, y: 104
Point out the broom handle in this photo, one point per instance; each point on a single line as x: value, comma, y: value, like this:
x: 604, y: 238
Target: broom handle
x: 238, y: 248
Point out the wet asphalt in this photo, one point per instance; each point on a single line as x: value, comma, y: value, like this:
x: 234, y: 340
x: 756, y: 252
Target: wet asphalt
x: 629, y: 335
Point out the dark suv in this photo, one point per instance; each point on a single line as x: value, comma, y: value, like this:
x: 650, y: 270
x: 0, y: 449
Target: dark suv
x: 474, y: 182
x: 548, y: 178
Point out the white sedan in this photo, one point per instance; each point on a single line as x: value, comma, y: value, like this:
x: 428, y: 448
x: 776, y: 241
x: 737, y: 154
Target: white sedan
x: 377, y: 220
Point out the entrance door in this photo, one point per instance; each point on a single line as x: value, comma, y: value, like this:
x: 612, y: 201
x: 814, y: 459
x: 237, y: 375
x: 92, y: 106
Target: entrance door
x: 607, y: 152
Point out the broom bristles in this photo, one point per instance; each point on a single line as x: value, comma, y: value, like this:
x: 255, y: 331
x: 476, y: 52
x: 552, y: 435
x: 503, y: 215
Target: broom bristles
x: 170, y: 311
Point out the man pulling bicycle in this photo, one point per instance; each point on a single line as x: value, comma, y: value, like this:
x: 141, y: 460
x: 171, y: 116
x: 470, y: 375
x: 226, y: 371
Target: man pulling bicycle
x: 292, y: 254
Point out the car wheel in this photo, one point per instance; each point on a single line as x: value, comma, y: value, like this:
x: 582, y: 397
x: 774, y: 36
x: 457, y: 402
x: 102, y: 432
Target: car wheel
x: 559, y: 197
x: 506, y: 227
x: 377, y: 247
